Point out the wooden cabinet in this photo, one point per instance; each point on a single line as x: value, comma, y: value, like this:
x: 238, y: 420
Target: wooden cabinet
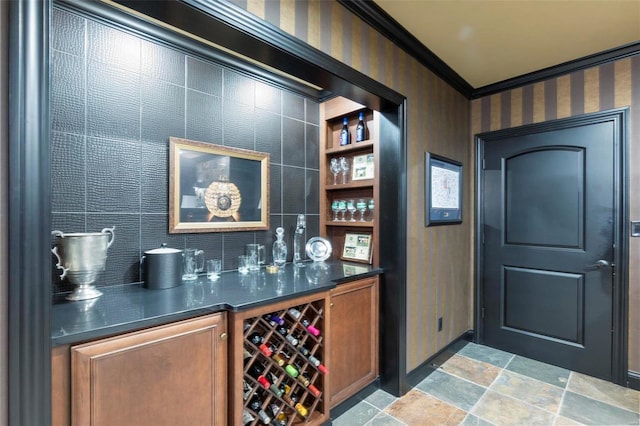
x: 293, y: 389
x: 332, y: 114
x: 168, y: 375
x: 353, y: 337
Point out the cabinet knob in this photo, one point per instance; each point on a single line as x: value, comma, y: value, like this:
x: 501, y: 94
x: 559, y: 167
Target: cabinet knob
x: 331, y: 305
x: 223, y: 336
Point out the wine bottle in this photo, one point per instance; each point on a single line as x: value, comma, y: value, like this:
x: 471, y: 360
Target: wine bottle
x: 301, y: 409
x: 314, y: 390
x: 310, y: 328
x: 345, y: 138
x: 256, y: 405
x: 361, y: 129
x: 295, y: 313
x: 256, y: 370
x: 287, y: 335
x: 256, y: 338
x: 277, y: 390
x: 291, y: 370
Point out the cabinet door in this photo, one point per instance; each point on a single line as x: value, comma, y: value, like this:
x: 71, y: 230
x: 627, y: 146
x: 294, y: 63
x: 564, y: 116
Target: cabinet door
x: 169, y: 375
x: 354, y: 338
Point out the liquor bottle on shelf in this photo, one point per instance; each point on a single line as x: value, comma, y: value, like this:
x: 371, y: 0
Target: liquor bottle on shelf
x: 279, y: 248
x: 361, y: 129
x: 310, y: 328
x: 298, y: 242
x: 256, y: 405
x: 345, y: 137
x: 273, y: 319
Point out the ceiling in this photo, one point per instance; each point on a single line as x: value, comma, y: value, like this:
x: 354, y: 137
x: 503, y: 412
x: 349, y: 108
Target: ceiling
x: 486, y: 41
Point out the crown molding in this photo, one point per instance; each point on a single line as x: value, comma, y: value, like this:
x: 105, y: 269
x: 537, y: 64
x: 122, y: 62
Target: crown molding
x: 375, y: 16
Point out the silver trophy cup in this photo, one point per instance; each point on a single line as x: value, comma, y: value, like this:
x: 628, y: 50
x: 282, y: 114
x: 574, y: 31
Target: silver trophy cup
x: 81, y: 257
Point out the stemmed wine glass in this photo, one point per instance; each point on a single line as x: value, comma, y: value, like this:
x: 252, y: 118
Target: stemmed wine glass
x: 345, y: 166
x: 335, y: 207
x: 335, y: 169
x: 342, y: 206
x: 351, y: 207
x: 361, y: 205
x: 371, y: 205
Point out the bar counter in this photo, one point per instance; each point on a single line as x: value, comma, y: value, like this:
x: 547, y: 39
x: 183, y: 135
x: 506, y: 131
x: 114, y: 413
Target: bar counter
x: 128, y: 307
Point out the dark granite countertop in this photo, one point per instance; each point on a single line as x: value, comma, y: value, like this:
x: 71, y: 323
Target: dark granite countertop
x: 129, y: 307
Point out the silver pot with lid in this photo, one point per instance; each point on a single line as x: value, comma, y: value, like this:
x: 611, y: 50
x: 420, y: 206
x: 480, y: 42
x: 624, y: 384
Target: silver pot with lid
x: 162, y: 268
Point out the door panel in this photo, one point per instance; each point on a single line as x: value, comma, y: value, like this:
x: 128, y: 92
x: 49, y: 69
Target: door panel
x: 548, y: 215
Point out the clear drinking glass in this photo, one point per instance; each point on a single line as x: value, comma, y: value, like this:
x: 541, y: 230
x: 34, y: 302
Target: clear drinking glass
x: 214, y: 266
x: 345, y: 166
x: 335, y: 169
x: 335, y: 207
x: 342, y: 206
x: 244, y: 262
x: 351, y: 207
x: 361, y: 205
x: 371, y: 206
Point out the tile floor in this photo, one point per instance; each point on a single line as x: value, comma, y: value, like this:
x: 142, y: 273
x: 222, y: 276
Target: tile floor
x: 478, y: 385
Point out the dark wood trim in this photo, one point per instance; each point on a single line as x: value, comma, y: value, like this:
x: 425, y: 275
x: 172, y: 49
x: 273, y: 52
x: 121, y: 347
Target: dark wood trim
x: 227, y: 25
x: 620, y: 119
x: 377, y: 18
x: 29, y: 214
x: 393, y: 251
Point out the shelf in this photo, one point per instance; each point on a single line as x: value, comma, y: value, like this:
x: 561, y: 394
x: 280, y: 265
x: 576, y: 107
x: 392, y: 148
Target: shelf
x: 368, y: 183
x: 352, y: 147
x: 368, y: 224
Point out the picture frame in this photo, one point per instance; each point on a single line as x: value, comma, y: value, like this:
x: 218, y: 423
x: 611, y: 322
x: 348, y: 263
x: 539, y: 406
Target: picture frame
x: 357, y: 247
x: 443, y: 190
x: 363, y: 167
x: 214, y: 188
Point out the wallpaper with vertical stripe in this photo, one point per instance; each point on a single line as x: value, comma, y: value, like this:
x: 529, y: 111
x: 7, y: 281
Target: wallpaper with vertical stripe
x: 613, y: 85
x: 440, y: 259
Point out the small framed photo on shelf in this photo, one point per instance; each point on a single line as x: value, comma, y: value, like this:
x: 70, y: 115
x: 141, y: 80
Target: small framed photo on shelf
x: 357, y: 247
x: 363, y: 167
x: 443, y: 190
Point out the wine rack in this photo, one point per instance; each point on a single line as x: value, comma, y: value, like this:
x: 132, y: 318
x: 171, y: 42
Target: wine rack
x: 284, y: 376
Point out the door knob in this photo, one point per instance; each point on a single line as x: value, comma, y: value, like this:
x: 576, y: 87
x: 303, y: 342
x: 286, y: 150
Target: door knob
x: 599, y: 264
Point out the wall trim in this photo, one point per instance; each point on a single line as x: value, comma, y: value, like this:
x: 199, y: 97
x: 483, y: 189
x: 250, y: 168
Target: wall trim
x: 375, y: 16
x: 29, y: 214
x: 633, y: 380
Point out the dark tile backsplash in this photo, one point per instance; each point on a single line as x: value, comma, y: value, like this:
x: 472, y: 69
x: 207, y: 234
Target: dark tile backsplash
x: 116, y: 100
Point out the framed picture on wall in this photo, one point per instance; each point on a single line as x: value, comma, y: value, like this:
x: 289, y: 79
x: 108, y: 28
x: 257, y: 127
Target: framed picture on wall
x: 443, y: 190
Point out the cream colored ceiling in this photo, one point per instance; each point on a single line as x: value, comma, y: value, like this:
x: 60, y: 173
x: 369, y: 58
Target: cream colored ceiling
x: 489, y: 41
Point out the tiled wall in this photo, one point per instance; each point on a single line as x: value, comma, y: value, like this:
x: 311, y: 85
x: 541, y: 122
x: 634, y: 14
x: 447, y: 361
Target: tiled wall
x: 116, y: 100
x: 613, y: 85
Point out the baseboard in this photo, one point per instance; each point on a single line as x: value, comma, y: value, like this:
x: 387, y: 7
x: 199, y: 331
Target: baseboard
x: 633, y: 380
x: 422, y: 371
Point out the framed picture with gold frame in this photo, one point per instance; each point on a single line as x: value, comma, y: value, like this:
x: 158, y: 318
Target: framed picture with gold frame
x: 357, y: 247
x: 215, y: 188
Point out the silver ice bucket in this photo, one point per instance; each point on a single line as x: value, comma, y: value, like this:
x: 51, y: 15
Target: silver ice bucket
x: 82, y: 256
